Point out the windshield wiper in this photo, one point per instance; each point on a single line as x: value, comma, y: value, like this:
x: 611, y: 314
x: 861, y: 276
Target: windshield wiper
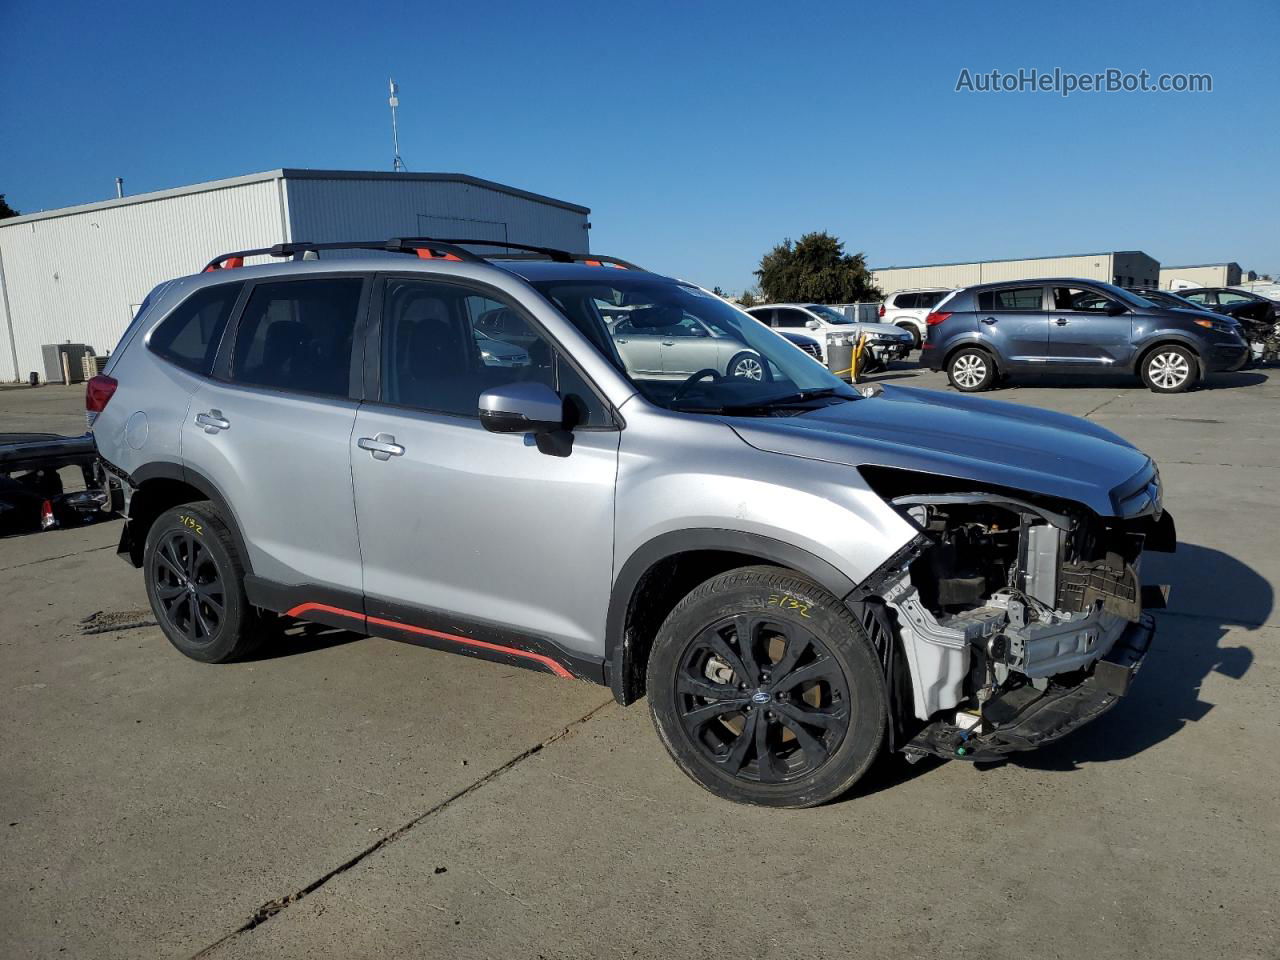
x: 786, y: 400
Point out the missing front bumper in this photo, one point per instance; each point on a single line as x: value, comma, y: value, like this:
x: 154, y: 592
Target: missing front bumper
x: 1026, y: 718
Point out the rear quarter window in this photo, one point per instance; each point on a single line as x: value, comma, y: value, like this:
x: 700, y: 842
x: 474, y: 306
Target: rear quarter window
x: 190, y: 335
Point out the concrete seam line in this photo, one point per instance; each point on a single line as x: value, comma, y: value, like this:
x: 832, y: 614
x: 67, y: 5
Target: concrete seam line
x: 1102, y: 404
x: 273, y: 907
x: 32, y: 563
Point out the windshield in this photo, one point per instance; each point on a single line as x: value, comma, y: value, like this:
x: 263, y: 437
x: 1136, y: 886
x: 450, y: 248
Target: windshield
x: 1123, y: 295
x: 829, y: 314
x: 686, y: 349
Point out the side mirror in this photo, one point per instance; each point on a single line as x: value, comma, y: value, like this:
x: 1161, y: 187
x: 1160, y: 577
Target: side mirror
x: 521, y: 408
x: 813, y: 325
x: 1115, y: 309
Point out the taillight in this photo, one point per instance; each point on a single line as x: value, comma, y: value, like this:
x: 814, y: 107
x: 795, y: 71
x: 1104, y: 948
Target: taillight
x: 882, y: 309
x: 97, y: 393
x: 47, y: 519
x: 935, y: 318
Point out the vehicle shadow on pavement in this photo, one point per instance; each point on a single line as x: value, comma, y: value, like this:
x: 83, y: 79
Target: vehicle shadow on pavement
x: 1211, y: 595
x: 1120, y: 381
x: 291, y: 639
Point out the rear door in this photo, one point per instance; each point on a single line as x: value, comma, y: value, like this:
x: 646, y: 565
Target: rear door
x: 639, y: 347
x: 688, y: 347
x: 1015, y: 322
x: 272, y: 429
x: 1083, y: 331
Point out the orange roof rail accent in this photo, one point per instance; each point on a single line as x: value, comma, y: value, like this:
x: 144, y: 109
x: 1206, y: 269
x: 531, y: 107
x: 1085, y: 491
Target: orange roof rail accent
x: 425, y: 254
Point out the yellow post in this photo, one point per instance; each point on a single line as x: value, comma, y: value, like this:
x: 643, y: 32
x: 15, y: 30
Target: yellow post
x: 857, y: 357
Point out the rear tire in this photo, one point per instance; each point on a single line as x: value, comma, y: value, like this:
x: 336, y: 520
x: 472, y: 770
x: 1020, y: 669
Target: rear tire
x: 749, y: 366
x: 195, y: 581
x: 1170, y: 369
x: 971, y: 370
x: 765, y: 689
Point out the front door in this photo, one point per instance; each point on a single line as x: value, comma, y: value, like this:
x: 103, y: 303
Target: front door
x: 476, y: 541
x: 1085, y: 330
x: 273, y: 429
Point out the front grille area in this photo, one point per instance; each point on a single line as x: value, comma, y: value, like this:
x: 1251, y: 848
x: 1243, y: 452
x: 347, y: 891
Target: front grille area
x: 812, y: 349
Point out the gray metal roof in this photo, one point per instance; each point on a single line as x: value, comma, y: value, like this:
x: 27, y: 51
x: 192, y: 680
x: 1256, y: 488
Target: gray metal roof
x: 291, y: 173
x: 965, y: 263
x: 1192, y: 266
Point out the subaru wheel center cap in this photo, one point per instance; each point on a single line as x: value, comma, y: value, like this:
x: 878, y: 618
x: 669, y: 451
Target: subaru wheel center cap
x: 761, y: 696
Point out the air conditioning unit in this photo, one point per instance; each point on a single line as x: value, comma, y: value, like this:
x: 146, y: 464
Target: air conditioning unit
x: 74, y: 354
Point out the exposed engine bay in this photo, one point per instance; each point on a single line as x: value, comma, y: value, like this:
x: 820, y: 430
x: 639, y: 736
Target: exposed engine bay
x: 1006, y: 607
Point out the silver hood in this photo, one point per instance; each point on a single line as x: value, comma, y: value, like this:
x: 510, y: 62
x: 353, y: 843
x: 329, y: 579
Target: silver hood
x: 970, y: 438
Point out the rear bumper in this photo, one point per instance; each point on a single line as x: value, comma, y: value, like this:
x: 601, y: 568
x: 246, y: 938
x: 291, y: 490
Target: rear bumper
x: 1026, y: 718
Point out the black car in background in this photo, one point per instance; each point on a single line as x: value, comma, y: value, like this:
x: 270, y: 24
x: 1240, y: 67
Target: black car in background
x: 1239, y: 304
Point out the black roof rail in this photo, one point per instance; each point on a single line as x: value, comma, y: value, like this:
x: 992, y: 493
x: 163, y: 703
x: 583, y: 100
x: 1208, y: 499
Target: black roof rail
x: 427, y: 248
x: 529, y: 252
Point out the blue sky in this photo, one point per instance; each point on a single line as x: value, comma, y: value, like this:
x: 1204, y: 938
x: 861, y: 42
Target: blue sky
x: 699, y: 133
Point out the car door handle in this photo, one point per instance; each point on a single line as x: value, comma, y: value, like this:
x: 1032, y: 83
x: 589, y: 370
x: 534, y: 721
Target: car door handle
x: 1062, y: 321
x: 668, y: 343
x: 988, y: 319
x: 620, y: 340
x: 383, y: 446
x: 212, y: 421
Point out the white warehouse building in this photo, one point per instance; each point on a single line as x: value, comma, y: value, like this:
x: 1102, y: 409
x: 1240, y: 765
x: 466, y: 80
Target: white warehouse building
x: 78, y: 274
x: 1125, y: 268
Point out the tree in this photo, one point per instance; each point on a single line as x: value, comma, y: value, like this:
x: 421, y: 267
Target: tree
x: 815, y: 270
x: 717, y: 291
x: 748, y: 299
x: 6, y: 210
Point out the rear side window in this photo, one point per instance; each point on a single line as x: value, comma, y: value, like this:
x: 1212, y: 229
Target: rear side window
x: 907, y: 301
x: 297, y: 335
x: 1018, y: 298
x: 190, y: 335
x: 929, y: 300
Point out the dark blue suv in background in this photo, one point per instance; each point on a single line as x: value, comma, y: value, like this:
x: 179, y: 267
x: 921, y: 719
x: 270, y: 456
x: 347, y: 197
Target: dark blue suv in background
x: 1065, y: 325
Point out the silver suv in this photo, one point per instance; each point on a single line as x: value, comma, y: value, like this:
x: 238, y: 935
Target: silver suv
x: 799, y: 574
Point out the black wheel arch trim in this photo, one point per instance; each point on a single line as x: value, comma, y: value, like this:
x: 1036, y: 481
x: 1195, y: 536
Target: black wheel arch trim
x: 754, y: 547
x: 169, y: 470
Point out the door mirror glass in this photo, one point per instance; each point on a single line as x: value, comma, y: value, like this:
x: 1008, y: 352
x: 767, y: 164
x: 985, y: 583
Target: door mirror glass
x: 522, y: 407
x: 1114, y: 309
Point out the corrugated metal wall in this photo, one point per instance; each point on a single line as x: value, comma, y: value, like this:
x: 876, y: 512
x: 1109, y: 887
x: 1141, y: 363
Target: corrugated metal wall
x: 1092, y: 266
x: 1210, y: 275
x: 80, y: 276
x: 343, y: 209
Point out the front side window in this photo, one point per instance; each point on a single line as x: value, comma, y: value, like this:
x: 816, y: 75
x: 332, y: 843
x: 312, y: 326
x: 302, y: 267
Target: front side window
x: 930, y: 300
x: 734, y: 365
x: 1018, y: 298
x: 1225, y: 296
x: 444, y: 344
x: 1202, y: 297
x: 829, y: 314
x: 297, y: 335
x: 1080, y: 300
x: 190, y: 335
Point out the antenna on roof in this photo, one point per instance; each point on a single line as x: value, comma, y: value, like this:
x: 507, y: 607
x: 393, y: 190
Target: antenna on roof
x: 397, y: 165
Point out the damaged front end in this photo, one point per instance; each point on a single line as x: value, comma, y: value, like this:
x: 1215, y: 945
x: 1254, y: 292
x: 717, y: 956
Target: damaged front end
x: 1021, y: 618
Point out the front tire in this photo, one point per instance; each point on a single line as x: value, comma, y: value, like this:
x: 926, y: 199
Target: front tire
x: 195, y: 582
x: 766, y: 690
x: 1170, y: 369
x: 912, y: 329
x: 971, y: 370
